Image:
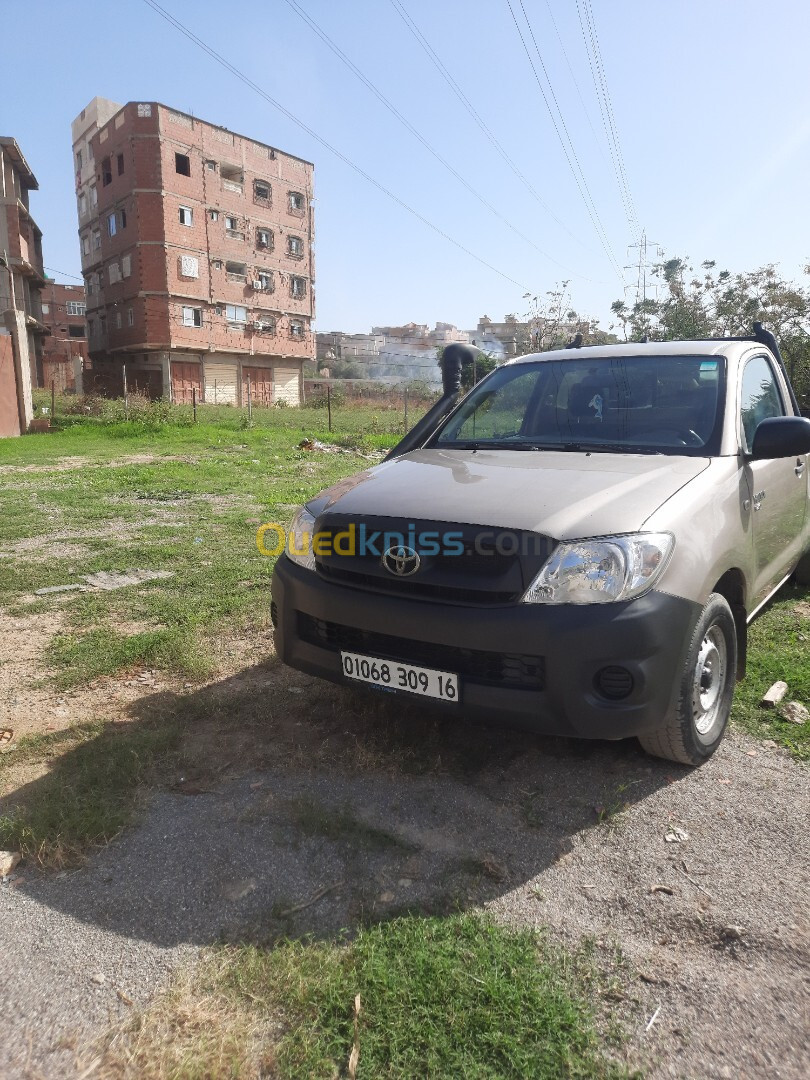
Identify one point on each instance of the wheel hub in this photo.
(709, 679)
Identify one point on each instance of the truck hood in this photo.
(562, 494)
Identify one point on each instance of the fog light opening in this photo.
(614, 683)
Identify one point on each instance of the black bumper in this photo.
(648, 638)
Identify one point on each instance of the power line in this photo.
(328, 146)
(465, 101)
(579, 176)
(321, 33)
(62, 273)
(596, 65)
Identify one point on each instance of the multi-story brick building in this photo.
(64, 350)
(21, 278)
(197, 255)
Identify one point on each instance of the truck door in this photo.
(778, 486)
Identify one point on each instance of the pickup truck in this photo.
(576, 546)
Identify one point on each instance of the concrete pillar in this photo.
(166, 366)
(15, 324)
(78, 375)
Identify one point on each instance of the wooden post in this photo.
(329, 404)
(126, 391)
(194, 401)
(250, 402)
(53, 399)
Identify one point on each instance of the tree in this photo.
(711, 303)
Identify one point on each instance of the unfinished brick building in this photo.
(197, 256)
(64, 350)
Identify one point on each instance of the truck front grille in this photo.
(515, 670)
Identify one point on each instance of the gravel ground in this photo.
(715, 925)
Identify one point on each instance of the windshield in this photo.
(650, 404)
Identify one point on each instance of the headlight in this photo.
(299, 539)
(601, 571)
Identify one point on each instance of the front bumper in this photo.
(648, 637)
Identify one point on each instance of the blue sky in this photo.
(710, 101)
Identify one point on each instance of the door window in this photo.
(760, 398)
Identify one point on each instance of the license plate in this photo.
(391, 675)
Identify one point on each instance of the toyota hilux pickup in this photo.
(576, 546)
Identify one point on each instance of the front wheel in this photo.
(695, 731)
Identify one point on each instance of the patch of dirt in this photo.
(68, 464)
(115, 530)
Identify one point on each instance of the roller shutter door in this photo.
(286, 385)
(221, 383)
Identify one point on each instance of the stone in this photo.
(8, 860)
(795, 712)
(773, 695)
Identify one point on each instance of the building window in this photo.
(130, 317)
(298, 287)
(296, 202)
(120, 163)
(211, 166)
(235, 271)
(231, 223)
(85, 245)
(264, 239)
(235, 314)
(186, 215)
(192, 316)
(126, 266)
(189, 266)
(296, 328)
(75, 307)
(118, 320)
(94, 195)
(78, 159)
(46, 309)
(96, 241)
(114, 272)
(92, 284)
(261, 192)
(214, 215)
(144, 109)
(112, 227)
(295, 246)
(266, 323)
(217, 264)
(232, 178)
(123, 216)
(102, 325)
(265, 280)
(106, 172)
(182, 164)
(91, 327)
(82, 205)
(76, 331)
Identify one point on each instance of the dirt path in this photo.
(542, 832)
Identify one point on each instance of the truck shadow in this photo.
(295, 808)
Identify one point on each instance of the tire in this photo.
(697, 727)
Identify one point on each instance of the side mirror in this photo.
(781, 437)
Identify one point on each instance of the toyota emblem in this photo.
(401, 561)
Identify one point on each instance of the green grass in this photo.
(439, 998)
(778, 648)
(89, 791)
